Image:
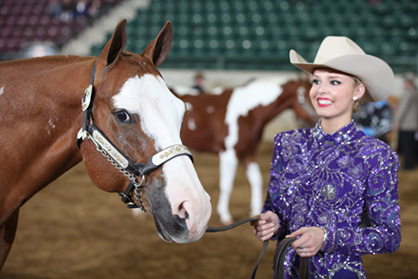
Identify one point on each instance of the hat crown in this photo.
(334, 47)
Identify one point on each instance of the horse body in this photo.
(37, 134)
(231, 124)
(41, 115)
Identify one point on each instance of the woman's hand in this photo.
(309, 241)
(267, 226)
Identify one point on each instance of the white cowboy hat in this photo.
(344, 55)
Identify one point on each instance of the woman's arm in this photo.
(382, 206)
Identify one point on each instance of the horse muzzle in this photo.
(179, 221)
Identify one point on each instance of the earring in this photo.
(354, 98)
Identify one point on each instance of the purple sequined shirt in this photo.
(328, 181)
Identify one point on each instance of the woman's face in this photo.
(332, 94)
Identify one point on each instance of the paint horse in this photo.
(129, 138)
(231, 124)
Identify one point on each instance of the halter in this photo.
(116, 157)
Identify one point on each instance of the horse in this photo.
(231, 124)
(126, 130)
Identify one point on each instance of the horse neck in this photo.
(42, 98)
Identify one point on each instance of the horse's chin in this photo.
(162, 232)
(181, 235)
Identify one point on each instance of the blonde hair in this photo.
(358, 102)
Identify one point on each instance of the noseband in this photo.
(116, 157)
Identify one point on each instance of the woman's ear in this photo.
(359, 92)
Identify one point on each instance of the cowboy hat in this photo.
(342, 54)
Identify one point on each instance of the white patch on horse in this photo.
(191, 124)
(255, 177)
(210, 109)
(243, 100)
(1, 91)
(228, 163)
(189, 106)
(51, 125)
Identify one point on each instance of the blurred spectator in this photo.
(406, 122)
(199, 81)
(375, 119)
(94, 10)
(54, 8)
(81, 8)
(68, 9)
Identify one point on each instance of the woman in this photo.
(324, 179)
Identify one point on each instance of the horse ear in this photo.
(115, 45)
(157, 51)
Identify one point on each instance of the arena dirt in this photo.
(72, 230)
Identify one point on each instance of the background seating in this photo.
(25, 22)
(257, 34)
(231, 34)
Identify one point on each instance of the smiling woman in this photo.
(323, 180)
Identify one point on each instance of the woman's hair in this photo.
(358, 102)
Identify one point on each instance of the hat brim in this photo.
(376, 75)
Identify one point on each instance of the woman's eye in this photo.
(315, 81)
(123, 116)
(335, 82)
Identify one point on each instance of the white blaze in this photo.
(160, 111)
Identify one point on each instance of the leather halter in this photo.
(116, 157)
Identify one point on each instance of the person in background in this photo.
(68, 9)
(375, 119)
(406, 122)
(323, 180)
(54, 8)
(199, 81)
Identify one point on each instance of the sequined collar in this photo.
(341, 136)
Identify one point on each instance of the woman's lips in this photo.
(324, 102)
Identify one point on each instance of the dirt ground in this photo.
(71, 230)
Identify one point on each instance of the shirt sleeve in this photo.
(382, 235)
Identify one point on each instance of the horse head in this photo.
(302, 105)
(134, 121)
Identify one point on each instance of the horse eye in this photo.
(123, 116)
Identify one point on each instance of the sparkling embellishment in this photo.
(329, 192)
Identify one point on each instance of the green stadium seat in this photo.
(240, 32)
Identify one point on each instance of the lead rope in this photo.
(279, 257)
(239, 223)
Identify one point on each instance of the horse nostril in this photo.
(183, 211)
